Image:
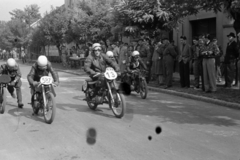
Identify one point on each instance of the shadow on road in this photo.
(25, 112)
(84, 108)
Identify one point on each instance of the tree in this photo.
(55, 25)
(29, 15)
(150, 15)
(19, 25)
(93, 20)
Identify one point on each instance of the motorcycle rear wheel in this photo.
(49, 117)
(143, 88)
(4, 100)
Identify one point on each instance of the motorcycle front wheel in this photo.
(119, 105)
(50, 111)
(3, 103)
(143, 88)
(35, 105)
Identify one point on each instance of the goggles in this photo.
(97, 49)
(137, 56)
(42, 67)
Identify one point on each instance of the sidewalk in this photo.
(223, 97)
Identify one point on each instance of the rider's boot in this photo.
(19, 97)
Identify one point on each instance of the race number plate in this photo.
(46, 80)
(110, 73)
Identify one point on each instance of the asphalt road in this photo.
(190, 130)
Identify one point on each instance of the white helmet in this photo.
(42, 61)
(109, 54)
(96, 45)
(11, 62)
(135, 53)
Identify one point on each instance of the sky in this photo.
(7, 6)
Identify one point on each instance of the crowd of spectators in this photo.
(204, 58)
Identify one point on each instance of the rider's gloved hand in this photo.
(35, 83)
(12, 83)
(97, 74)
(55, 84)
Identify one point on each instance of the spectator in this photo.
(130, 50)
(217, 61)
(115, 51)
(238, 51)
(150, 45)
(123, 57)
(134, 44)
(209, 52)
(175, 67)
(169, 54)
(104, 47)
(85, 49)
(23, 56)
(109, 45)
(184, 58)
(157, 63)
(144, 51)
(197, 67)
(230, 60)
(64, 56)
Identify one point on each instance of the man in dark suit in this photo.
(169, 54)
(230, 60)
(184, 58)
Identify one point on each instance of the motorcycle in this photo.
(43, 99)
(4, 80)
(140, 85)
(107, 93)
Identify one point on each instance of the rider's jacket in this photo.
(36, 74)
(133, 65)
(93, 64)
(14, 73)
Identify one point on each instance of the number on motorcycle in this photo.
(46, 80)
(110, 74)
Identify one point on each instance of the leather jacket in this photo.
(36, 74)
(93, 65)
(15, 73)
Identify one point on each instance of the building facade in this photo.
(217, 25)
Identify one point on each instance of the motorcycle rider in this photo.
(41, 68)
(110, 55)
(12, 69)
(96, 63)
(135, 63)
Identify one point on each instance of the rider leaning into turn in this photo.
(41, 68)
(135, 63)
(11, 68)
(96, 63)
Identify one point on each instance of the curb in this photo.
(199, 98)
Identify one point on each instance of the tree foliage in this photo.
(16, 32)
(54, 26)
(150, 15)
